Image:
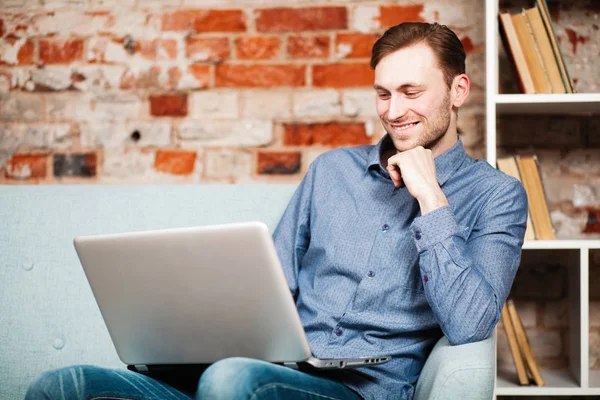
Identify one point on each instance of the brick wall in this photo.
(198, 91)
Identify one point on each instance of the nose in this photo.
(397, 108)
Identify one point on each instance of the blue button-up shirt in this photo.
(373, 277)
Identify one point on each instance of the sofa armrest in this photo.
(465, 372)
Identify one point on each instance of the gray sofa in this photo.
(48, 315)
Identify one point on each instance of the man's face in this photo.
(413, 100)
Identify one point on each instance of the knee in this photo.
(232, 378)
(62, 383)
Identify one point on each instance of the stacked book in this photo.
(532, 46)
(527, 170)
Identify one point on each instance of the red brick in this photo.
(278, 162)
(342, 75)
(259, 75)
(169, 105)
(1, 27)
(22, 166)
(332, 134)
(207, 49)
(308, 46)
(257, 47)
(204, 21)
(60, 51)
(301, 19)
(176, 162)
(201, 74)
(24, 55)
(158, 49)
(394, 15)
(354, 45)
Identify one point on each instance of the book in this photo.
(524, 345)
(508, 165)
(514, 347)
(538, 205)
(534, 63)
(542, 41)
(515, 52)
(545, 14)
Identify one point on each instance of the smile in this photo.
(404, 126)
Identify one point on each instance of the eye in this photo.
(412, 94)
(383, 96)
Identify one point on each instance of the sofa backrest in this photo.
(48, 316)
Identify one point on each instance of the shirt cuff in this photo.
(434, 227)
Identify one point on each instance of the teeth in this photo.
(404, 127)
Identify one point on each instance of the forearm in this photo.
(465, 279)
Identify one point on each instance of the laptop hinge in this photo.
(139, 368)
(291, 365)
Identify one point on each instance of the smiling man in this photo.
(385, 248)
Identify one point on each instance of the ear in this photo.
(460, 90)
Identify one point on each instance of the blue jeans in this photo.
(232, 378)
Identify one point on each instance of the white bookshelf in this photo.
(577, 379)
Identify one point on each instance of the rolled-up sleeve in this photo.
(466, 271)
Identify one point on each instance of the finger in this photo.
(394, 174)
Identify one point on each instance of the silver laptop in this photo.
(198, 295)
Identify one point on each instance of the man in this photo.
(385, 248)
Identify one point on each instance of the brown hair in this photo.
(446, 46)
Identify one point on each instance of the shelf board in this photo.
(558, 383)
(561, 244)
(573, 103)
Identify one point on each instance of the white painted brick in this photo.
(314, 103)
(69, 22)
(11, 137)
(47, 136)
(273, 103)
(245, 132)
(556, 314)
(111, 134)
(228, 164)
(359, 103)
(70, 106)
(214, 104)
(569, 226)
(51, 77)
(59, 4)
(116, 106)
(18, 5)
(131, 165)
(20, 107)
(366, 19)
(9, 51)
(582, 161)
(585, 195)
(99, 77)
(112, 4)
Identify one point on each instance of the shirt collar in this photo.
(445, 164)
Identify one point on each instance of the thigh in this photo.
(90, 382)
(242, 378)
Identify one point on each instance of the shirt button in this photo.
(371, 274)
(385, 227)
(418, 235)
(339, 331)
(425, 278)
